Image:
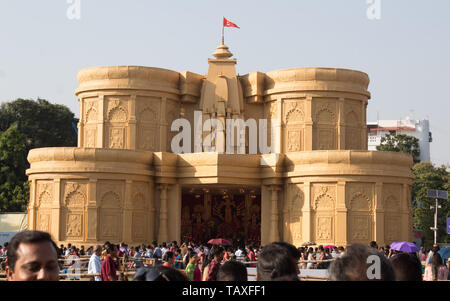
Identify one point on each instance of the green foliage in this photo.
(13, 191)
(427, 177)
(26, 124)
(402, 144)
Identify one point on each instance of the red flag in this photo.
(227, 23)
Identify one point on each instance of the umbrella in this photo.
(331, 247)
(445, 254)
(219, 241)
(404, 246)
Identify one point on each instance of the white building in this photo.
(416, 128)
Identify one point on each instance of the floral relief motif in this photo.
(117, 112)
(116, 140)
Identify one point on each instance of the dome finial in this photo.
(222, 52)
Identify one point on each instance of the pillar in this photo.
(379, 236)
(274, 230)
(127, 225)
(308, 137)
(341, 125)
(163, 125)
(163, 225)
(101, 143)
(92, 212)
(286, 197)
(55, 227)
(31, 216)
(132, 124)
(306, 212)
(341, 233)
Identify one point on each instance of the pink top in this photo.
(442, 273)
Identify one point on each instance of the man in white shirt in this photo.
(95, 265)
(238, 253)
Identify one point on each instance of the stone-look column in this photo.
(127, 226)
(308, 137)
(101, 127)
(163, 235)
(286, 197)
(80, 124)
(132, 124)
(92, 212)
(341, 236)
(306, 212)
(274, 230)
(163, 125)
(151, 212)
(364, 133)
(405, 230)
(379, 235)
(31, 216)
(341, 124)
(278, 126)
(55, 227)
(207, 204)
(174, 215)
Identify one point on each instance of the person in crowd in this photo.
(157, 253)
(90, 251)
(109, 265)
(178, 259)
(159, 273)
(31, 256)
(407, 267)
(95, 264)
(106, 246)
(232, 271)
(294, 254)
(82, 251)
(373, 244)
(433, 251)
(193, 272)
(275, 261)
(239, 252)
(436, 270)
(354, 265)
(138, 256)
(251, 256)
(164, 249)
(148, 252)
(214, 266)
(68, 250)
(168, 259)
(310, 258)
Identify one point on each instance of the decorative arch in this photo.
(325, 115)
(295, 116)
(118, 114)
(148, 115)
(352, 119)
(111, 200)
(360, 201)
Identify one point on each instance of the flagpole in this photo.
(223, 35)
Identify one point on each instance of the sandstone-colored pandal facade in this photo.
(123, 183)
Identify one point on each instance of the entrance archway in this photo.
(229, 212)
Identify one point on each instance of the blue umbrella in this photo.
(445, 254)
(404, 246)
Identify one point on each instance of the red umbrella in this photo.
(331, 247)
(220, 241)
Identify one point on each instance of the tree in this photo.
(427, 177)
(26, 124)
(14, 192)
(401, 143)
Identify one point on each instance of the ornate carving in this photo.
(296, 204)
(324, 197)
(117, 111)
(325, 115)
(360, 201)
(139, 195)
(91, 111)
(294, 140)
(116, 139)
(74, 225)
(392, 196)
(110, 226)
(392, 228)
(148, 115)
(111, 200)
(294, 114)
(44, 222)
(273, 109)
(74, 195)
(90, 137)
(45, 194)
(324, 227)
(360, 228)
(351, 119)
(147, 138)
(326, 139)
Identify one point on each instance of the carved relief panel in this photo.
(44, 194)
(173, 113)
(116, 138)
(139, 226)
(111, 196)
(74, 203)
(360, 203)
(117, 116)
(324, 115)
(43, 220)
(90, 136)
(148, 118)
(295, 213)
(90, 110)
(323, 204)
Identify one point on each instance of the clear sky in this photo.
(406, 52)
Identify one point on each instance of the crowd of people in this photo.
(32, 255)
